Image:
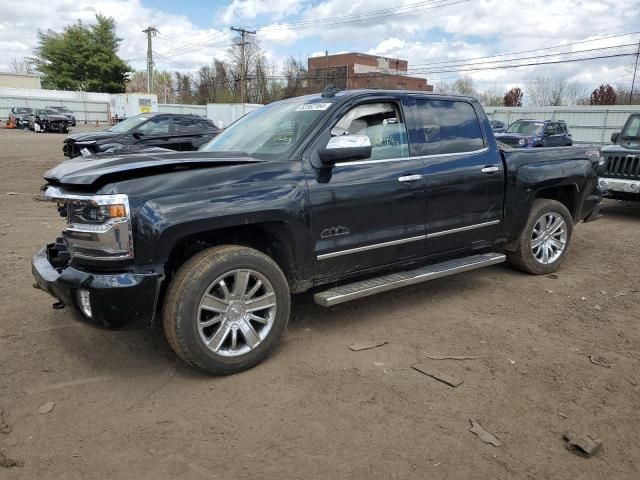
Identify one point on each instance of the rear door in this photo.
(463, 174)
(191, 130)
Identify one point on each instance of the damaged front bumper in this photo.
(112, 300)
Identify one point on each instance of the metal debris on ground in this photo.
(599, 360)
(485, 436)
(356, 347)
(584, 444)
(46, 408)
(441, 377)
(451, 357)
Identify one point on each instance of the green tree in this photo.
(82, 57)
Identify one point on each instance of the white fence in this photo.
(178, 108)
(89, 107)
(588, 124)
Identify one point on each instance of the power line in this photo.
(529, 51)
(576, 52)
(364, 16)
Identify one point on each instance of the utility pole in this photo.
(151, 32)
(635, 70)
(243, 69)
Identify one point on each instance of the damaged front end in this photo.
(89, 267)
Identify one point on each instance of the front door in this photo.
(464, 176)
(368, 213)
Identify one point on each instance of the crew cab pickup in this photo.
(620, 177)
(346, 194)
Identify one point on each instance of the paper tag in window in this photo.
(313, 106)
(85, 152)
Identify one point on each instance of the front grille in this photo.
(627, 166)
(509, 140)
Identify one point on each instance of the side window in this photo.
(450, 126)
(187, 126)
(550, 129)
(156, 126)
(382, 123)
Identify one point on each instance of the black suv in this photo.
(536, 133)
(621, 174)
(145, 131)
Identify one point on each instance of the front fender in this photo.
(163, 222)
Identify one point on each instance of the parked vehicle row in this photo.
(347, 193)
(54, 118)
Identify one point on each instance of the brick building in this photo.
(360, 70)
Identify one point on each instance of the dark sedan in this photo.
(47, 120)
(497, 126)
(148, 130)
(20, 116)
(62, 110)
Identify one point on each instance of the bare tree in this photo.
(493, 96)
(548, 91)
(443, 87)
(23, 67)
(465, 86)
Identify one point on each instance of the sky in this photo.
(426, 33)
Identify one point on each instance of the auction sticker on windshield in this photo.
(313, 106)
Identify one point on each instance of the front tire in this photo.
(544, 241)
(225, 309)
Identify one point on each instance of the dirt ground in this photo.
(125, 407)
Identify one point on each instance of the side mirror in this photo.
(138, 135)
(614, 137)
(345, 147)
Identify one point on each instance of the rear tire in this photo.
(213, 316)
(545, 239)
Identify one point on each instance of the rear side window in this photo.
(449, 126)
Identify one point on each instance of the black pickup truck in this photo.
(345, 193)
(620, 177)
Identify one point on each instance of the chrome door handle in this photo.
(489, 169)
(410, 178)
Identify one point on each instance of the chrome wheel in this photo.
(549, 238)
(236, 312)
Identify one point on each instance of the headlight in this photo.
(99, 226)
(522, 141)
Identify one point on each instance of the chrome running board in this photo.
(372, 286)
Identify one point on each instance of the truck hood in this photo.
(52, 116)
(92, 171)
(624, 146)
(91, 136)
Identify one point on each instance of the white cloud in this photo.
(422, 36)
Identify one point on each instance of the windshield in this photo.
(22, 111)
(632, 128)
(128, 124)
(273, 131)
(526, 128)
(45, 111)
(61, 109)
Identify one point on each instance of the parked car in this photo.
(620, 177)
(166, 130)
(328, 192)
(536, 133)
(20, 116)
(62, 110)
(46, 120)
(497, 126)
